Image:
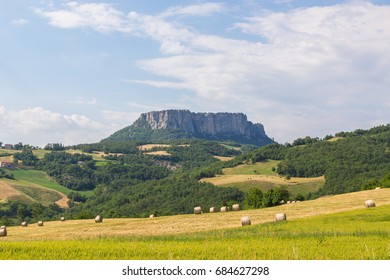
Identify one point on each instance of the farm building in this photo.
(6, 164)
(8, 146)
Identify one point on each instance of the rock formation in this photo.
(214, 126)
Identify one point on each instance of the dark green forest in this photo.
(130, 183)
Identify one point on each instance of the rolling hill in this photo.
(336, 227)
(260, 175)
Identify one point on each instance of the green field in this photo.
(352, 235)
(31, 186)
(261, 176)
(38, 177)
(253, 169)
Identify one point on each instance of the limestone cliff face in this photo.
(219, 126)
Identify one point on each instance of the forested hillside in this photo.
(118, 179)
(350, 161)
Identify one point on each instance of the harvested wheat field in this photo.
(224, 158)
(172, 225)
(275, 179)
(158, 153)
(7, 191)
(148, 147)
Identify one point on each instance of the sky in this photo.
(74, 72)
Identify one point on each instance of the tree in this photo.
(254, 198)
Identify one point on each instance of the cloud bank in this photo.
(38, 123)
(305, 71)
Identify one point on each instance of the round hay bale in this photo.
(245, 221)
(224, 209)
(62, 219)
(98, 219)
(151, 216)
(236, 207)
(3, 231)
(281, 202)
(369, 203)
(378, 188)
(288, 202)
(40, 224)
(24, 224)
(279, 217)
(198, 210)
(213, 210)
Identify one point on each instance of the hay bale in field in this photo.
(236, 207)
(281, 202)
(98, 219)
(378, 188)
(279, 217)
(151, 216)
(3, 231)
(224, 209)
(369, 203)
(24, 224)
(245, 221)
(288, 202)
(213, 210)
(40, 224)
(198, 210)
(62, 219)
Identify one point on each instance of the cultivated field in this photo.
(261, 176)
(28, 192)
(224, 158)
(337, 227)
(158, 153)
(34, 186)
(148, 147)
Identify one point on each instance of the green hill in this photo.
(335, 228)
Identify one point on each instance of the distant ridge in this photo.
(167, 125)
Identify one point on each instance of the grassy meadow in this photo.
(260, 175)
(32, 186)
(337, 227)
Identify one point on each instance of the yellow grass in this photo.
(148, 147)
(7, 191)
(224, 158)
(98, 156)
(334, 139)
(275, 179)
(159, 153)
(79, 229)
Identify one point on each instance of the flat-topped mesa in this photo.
(217, 126)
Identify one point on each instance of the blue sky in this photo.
(77, 71)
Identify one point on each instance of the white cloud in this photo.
(304, 66)
(41, 126)
(82, 101)
(99, 16)
(205, 9)
(318, 63)
(20, 21)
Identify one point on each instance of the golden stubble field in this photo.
(181, 224)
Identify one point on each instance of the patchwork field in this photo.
(30, 193)
(337, 227)
(34, 186)
(261, 176)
